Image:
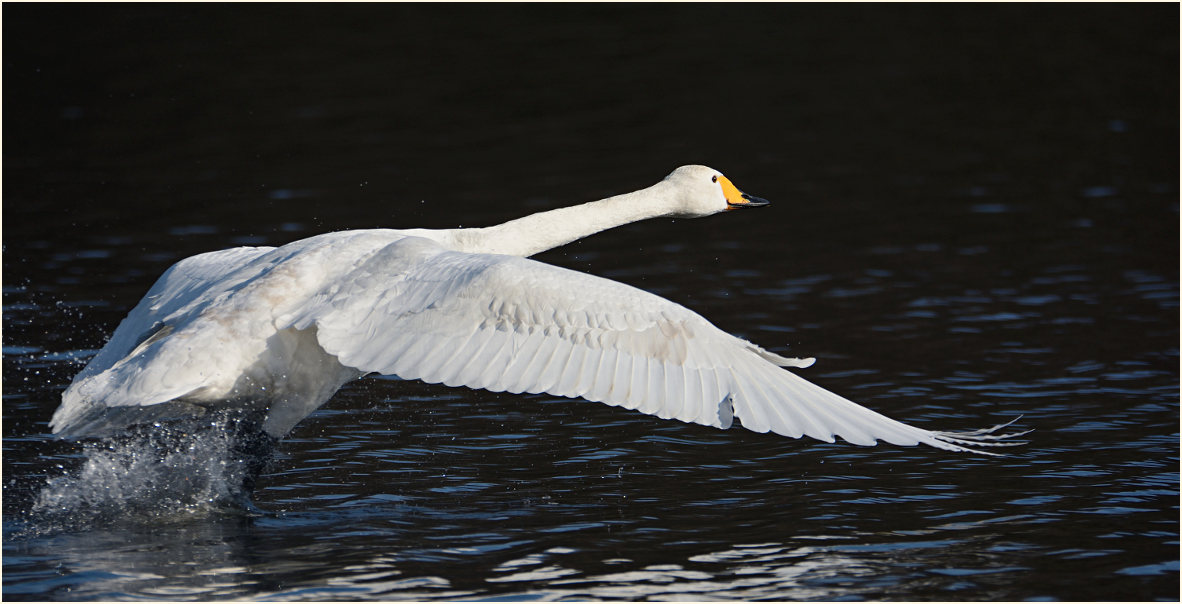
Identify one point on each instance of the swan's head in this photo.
(703, 191)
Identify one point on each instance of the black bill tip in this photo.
(749, 201)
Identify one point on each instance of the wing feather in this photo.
(601, 386)
(696, 385)
(654, 383)
(494, 360)
(572, 372)
(518, 374)
(439, 363)
(674, 393)
(636, 381)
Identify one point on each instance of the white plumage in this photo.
(281, 329)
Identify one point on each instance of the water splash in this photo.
(159, 472)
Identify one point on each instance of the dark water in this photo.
(975, 217)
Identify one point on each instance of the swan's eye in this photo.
(714, 178)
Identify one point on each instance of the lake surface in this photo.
(975, 219)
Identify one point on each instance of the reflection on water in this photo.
(960, 237)
(418, 491)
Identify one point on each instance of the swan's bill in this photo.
(737, 199)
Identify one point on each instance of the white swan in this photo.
(281, 329)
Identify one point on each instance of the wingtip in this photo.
(985, 437)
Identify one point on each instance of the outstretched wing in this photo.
(180, 285)
(505, 323)
(183, 284)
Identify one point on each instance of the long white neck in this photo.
(547, 230)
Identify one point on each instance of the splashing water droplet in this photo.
(159, 472)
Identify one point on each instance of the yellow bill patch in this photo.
(733, 195)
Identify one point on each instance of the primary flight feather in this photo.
(280, 330)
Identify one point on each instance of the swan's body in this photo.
(281, 329)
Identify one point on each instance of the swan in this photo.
(280, 329)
